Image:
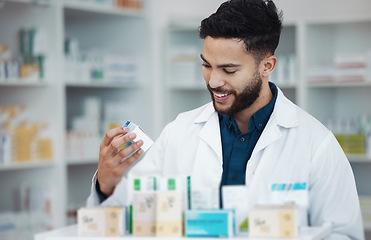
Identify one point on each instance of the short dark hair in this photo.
(256, 22)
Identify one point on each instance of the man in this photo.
(250, 134)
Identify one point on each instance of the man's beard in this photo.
(243, 100)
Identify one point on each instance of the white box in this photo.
(144, 214)
(274, 221)
(101, 221)
(236, 197)
(169, 213)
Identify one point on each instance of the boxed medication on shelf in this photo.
(236, 197)
(209, 223)
(184, 65)
(181, 184)
(350, 60)
(204, 198)
(157, 206)
(365, 203)
(22, 141)
(169, 213)
(274, 221)
(144, 214)
(285, 71)
(120, 69)
(101, 221)
(320, 74)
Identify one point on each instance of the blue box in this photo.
(209, 223)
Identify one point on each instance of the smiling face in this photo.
(231, 74)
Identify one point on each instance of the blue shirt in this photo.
(237, 147)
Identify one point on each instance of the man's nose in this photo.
(216, 80)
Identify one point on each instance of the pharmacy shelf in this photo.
(339, 85)
(82, 162)
(287, 85)
(187, 86)
(35, 2)
(101, 8)
(107, 30)
(17, 83)
(70, 233)
(103, 85)
(367, 226)
(359, 158)
(31, 165)
(183, 25)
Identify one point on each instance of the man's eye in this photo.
(205, 65)
(229, 72)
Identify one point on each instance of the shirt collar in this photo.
(258, 120)
(261, 117)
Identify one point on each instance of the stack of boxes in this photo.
(157, 207)
(21, 141)
(349, 67)
(353, 134)
(162, 206)
(91, 67)
(127, 4)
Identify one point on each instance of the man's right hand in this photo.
(111, 168)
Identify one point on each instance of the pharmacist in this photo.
(250, 134)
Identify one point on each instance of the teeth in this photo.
(220, 95)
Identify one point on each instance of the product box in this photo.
(147, 141)
(236, 197)
(204, 198)
(169, 213)
(274, 221)
(144, 214)
(209, 223)
(142, 184)
(180, 183)
(97, 222)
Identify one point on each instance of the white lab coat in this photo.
(293, 148)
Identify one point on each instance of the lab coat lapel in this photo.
(270, 134)
(208, 163)
(284, 115)
(210, 134)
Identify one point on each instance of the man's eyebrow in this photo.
(227, 65)
(203, 59)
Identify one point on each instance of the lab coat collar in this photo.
(207, 112)
(284, 115)
(284, 112)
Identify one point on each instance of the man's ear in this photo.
(267, 65)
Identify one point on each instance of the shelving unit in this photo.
(185, 88)
(25, 166)
(98, 8)
(361, 158)
(17, 83)
(43, 101)
(101, 85)
(108, 30)
(340, 100)
(314, 43)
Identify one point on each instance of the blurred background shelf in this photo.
(101, 8)
(161, 40)
(25, 166)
